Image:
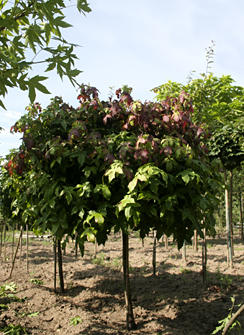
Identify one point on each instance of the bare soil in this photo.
(174, 302)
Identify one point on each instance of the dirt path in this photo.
(174, 302)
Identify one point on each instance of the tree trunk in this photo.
(27, 248)
(204, 258)
(1, 240)
(16, 251)
(154, 253)
(184, 252)
(166, 242)
(228, 226)
(241, 215)
(130, 322)
(55, 264)
(231, 206)
(195, 241)
(5, 242)
(13, 241)
(60, 266)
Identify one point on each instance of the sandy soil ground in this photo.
(174, 302)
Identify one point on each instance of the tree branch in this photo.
(240, 310)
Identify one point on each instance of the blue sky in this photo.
(142, 44)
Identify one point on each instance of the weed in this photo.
(116, 263)
(6, 288)
(36, 281)
(3, 307)
(99, 260)
(14, 330)
(224, 281)
(184, 270)
(75, 321)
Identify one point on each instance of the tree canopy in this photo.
(119, 164)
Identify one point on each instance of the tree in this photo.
(219, 107)
(118, 164)
(29, 29)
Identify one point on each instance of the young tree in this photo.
(117, 164)
(219, 107)
(30, 34)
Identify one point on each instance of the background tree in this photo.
(219, 107)
(31, 34)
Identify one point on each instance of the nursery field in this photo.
(173, 302)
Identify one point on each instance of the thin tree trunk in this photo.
(195, 241)
(95, 248)
(130, 322)
(27, 248)
(184, 252)
(154, 253)
(166, 242)
(55, 264)
(76, 247)
(228, 226)
(1, 240)
(13, 233)
(16, 251)
(20, 249)
(204, 258)
(241, 216)
(231, 206)
(60, 266)
(5, 242)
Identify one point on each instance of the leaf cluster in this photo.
(28, 28)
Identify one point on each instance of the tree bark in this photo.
(204, 258)
(60, 266)
(166, 243)
(154, 253)
(184, 252)
(195, 241)
(27, 248)
(16, 251)
(130, 322)
(228, 226)
(231, 206)
(241, 215)
(55, 264)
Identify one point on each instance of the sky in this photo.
(141, 44)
